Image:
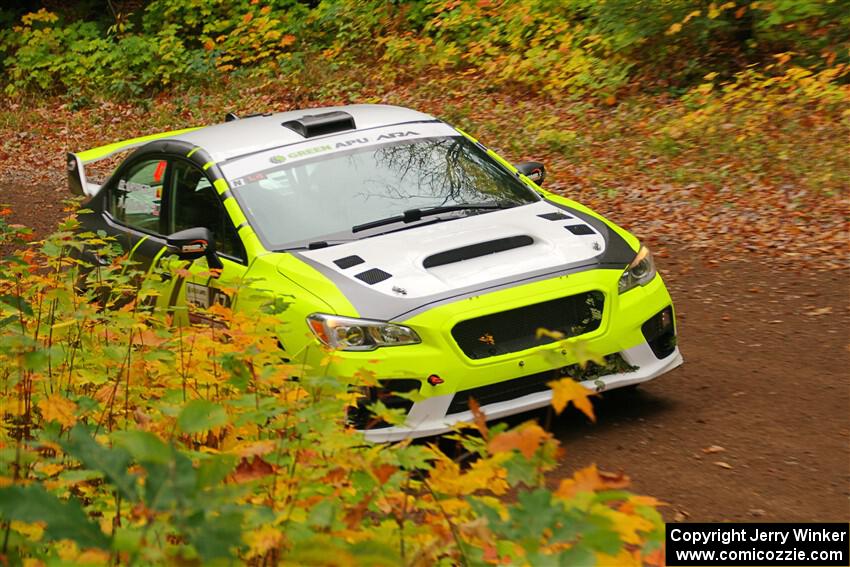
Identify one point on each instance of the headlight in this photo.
(345, 333)
(640, 271)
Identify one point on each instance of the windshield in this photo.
(323, 198)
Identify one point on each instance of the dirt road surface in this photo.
(753, 427)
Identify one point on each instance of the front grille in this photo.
(502, 391)
(519, 387)
(516, 329)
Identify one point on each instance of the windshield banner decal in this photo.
(244, 170)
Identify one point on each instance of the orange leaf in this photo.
(383, 472)
(568, 390)
(589, 479)
(58, 408)
(247, 471)
(478, 418)
(655, 557)
(526, 439)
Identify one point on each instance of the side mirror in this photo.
(534, 170)
(194, 243)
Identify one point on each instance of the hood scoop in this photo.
(477, 250)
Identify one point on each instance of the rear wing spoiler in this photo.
(76, 163)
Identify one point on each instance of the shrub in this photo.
(127, 440)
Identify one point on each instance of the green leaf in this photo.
(142, 445)
(18, 303)
(213, 470)
(218, 536)
(200, 415)
(112, 463)
(64, 519)
(322, 514)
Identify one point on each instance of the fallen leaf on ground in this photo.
(723, 464)
(713, 449)
(819, 311)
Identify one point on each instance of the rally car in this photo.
(399, 239)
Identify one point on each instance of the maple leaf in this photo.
(478, 418)
(247, 471)
(590, 479)
(567, 390)
(526, 439)
(628, 525)
(58, 408)
(384, 472)
(262, 540)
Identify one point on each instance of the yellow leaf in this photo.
(689, 17)
(263, 540)
(674, 29)
(567, 390)
(541, 332)
(484, 474)
(253, 448)
(33, 531)
(58, 408)
(627, 525)
(50, 469)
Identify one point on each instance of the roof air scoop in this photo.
(477, 250)
(312, 125)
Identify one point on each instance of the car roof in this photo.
(257, 133)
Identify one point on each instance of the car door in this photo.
(191, 201)
(133, 214)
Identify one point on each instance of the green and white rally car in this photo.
(396, 238)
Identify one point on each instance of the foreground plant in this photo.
(128, 440)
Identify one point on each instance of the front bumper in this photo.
(438, 354)
(429, 416)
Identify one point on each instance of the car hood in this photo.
(393, 275)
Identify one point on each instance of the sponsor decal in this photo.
(240, 170)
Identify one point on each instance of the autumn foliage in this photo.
(128, 439)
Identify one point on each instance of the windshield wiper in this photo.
(413, 215)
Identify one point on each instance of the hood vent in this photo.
(348, 262)
(554, 216)
(373, 276)
(580, 229)
(477, 250)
